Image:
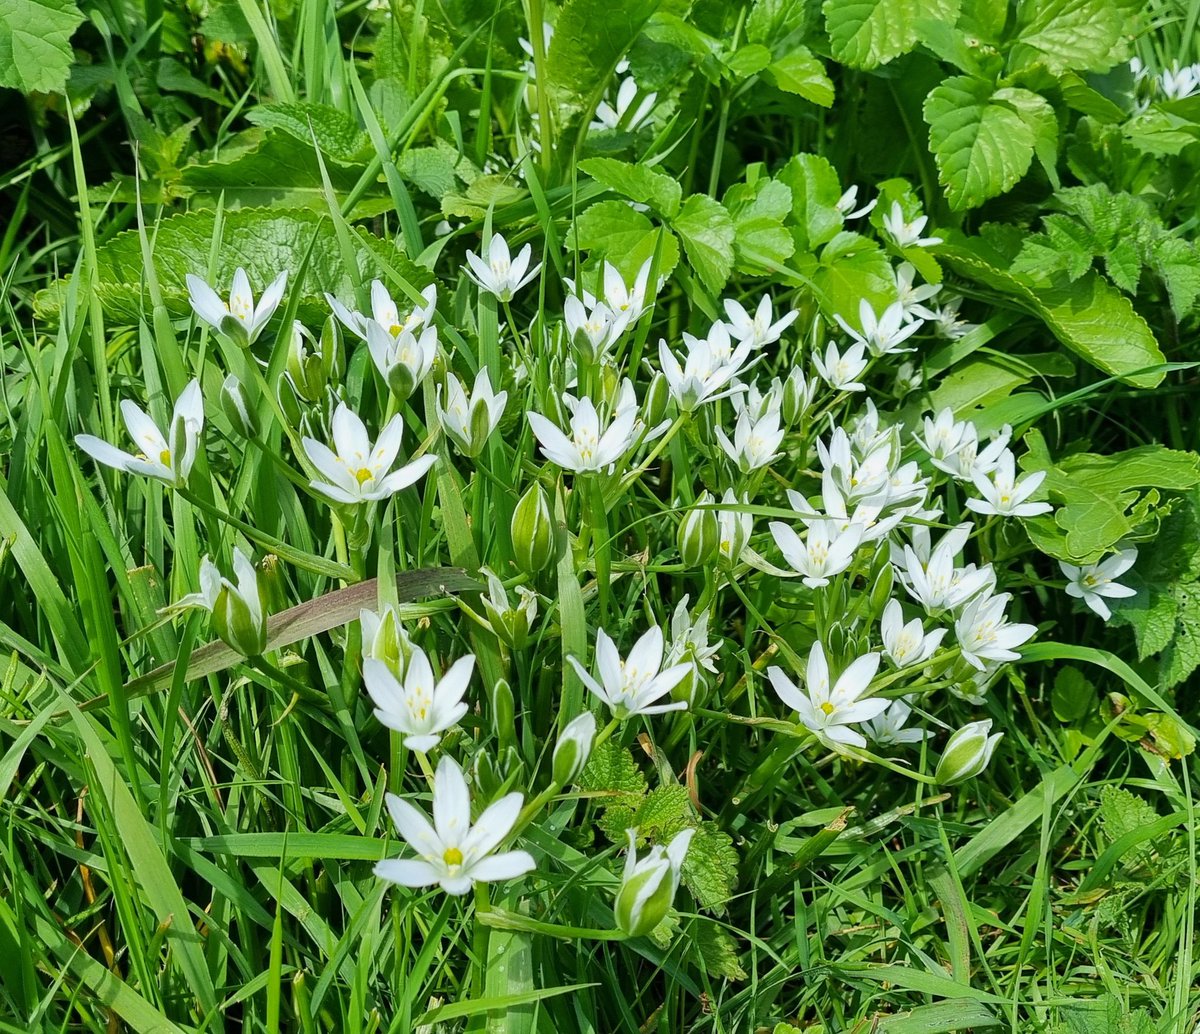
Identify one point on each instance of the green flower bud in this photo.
(648, 886)
(502, 709)
(532, 531)
(237, 614)
(797, 396)
(384, 639)
(699, 533)
(967, 752)
(236, 407)
(289, 402)
(511, 624)
(658, 395)
(881, 588)
(305, 364)
(573, 749)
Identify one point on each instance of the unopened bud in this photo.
(305, 365)
(967, 752)
(573, 749)
(658, 395)
(648, 886)
(532, 531)
(699, 533)
(236, 407)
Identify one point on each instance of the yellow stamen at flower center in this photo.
(827, 707)
(363, 475)
(164, 457)
(452, 856)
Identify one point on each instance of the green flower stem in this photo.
(502, 919)
(601, 543)
(659, 446)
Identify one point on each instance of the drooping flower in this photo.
(907, 234)
(1004, 494)
(1092, 583)
(453, 852)
(846, 203)
(469, 420)
(634, 685)
(359, 471)
(829, 711)
(239, 319)
(502, 275)
(419, 706)
(237, 612)
(168, 458)
(649, 884)
(888, 728)
(624, 115)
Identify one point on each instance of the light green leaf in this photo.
(801, 73)
(35, 44)
(982, 146)
(815, 194)
(852, 268)
(771, 21)
(710, 868)
(869, 33)
(336, 133)
(718, 950)
(1066, 35)
(614, 232)
(707, 232)
(761, 241)
(637, 182)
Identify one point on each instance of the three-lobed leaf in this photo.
(35, 44)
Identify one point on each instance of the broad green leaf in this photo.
(707, 233)
(982, 146)
(710, 867)
(718, 951)
(802, 73)
(815, 194)
(611, 769)
(264, 242)
(1066, 35)
(336, 133)
(869, 33)
(590, 36)
(771, 21)
(761, 241)
(637, 182)
(1089, 316)
(35, 44)
(748, 60)
(851, 268)
(612, 231)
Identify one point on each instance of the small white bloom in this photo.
(168, 460)
(944, 436)
(1177, 83)
(502, 275)
(626, 303)
(754, 402)
(881, 335)
(689, 638)
(754, 444)
(359, 471)
(237, 612)
(968, 461)
(1092, 583)
(820, 555)
(985, 634)
(887, 729)
(510, 623)
(907, 645)
(591, 446)
(594, 332)
(933, 579)
(761, 328)
(839, 371)
(948, 324)
(711, 363)
(385, 313)
(830, 711)
(470, 420)
(649, 884)
(452, 852)
(846, 203)
(1004, 494)
(421, 707)
(633, 686)
(239, 319)
(907, 234)
(624, 115)
(909, 297)
(404, 360)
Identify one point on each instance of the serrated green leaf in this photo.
(718, 951)
(611, 768)
(761, 241)
(35, 44)
(1066, 35)
(802, 73)
(815, 194)
(710, 868)
(851, 268)
(869, 33)
(1089, 316)
(435, 170)
(773, 20)
(982, 147)
(1177, 263)
(637, 182)
(1123, 812)
(706, 230)
(263, 241)
(662, 812)
(336, 133)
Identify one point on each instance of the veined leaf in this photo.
(1064, 35)
(35, 44)
(869, 33)
(981, 145)
(637, 182)
(707, 232)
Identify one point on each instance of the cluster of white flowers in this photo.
(1173, 83)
